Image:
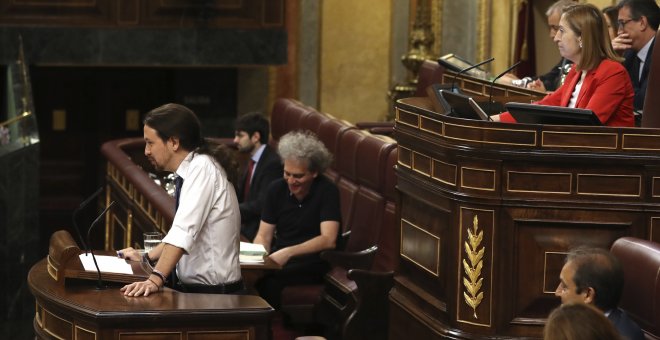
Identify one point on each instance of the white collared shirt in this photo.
(576, 92)
(207, 223)
(642, 54)
(256, 157)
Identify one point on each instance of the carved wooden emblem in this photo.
(472, 265)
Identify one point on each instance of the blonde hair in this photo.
(588, 23)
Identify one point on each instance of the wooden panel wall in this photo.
(144, 13)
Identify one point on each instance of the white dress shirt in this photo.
(206, 224)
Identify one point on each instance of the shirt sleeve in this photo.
(195, 204)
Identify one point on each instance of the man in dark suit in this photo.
(594, 276)
(264, 166)
(638, 23)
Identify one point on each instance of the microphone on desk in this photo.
(88, 249)
(78, 210)
(453, 83)
(492, 84)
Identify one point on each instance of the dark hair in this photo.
(579, 321)
(175, 120)
(640, 8)
(612, 13)
(599, 269)
(253, 122)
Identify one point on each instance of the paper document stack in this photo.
(250, 252)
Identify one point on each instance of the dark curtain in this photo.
(525, 48)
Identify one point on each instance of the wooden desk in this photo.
(504, 203)
(79, 311)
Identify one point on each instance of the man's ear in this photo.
(589, 295)
(256, 137)
(644, 22)
(174, 142)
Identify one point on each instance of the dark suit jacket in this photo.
(626, 327)
(639, 86)
(551, 79)
(268, 169)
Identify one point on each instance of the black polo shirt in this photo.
(296, 222)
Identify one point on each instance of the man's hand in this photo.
(622, 42)
(143, 288)
(281, 256)
(129, 254)
(536, 85)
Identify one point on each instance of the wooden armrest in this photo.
(370, 318)
(350, 260)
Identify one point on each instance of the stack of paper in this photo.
(250, 252)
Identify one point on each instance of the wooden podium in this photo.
(488, 212)
(68, 305)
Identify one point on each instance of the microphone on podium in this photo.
(453, 83)
(76, 212)
(99, 284)
(492, 84)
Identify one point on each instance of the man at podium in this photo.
(201, 247)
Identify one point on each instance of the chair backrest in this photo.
(640, 260)
(330, 134)
(278, 117)
(430, 72)
(651, 116)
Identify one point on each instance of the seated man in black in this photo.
(594, 276)
(300, 217)
(263, 167)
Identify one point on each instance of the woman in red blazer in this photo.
(597, 81)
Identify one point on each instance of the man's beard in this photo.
(246, 149)
(155, 165)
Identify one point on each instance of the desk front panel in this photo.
(488, 212)
(79, 311)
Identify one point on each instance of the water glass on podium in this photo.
(152, 239)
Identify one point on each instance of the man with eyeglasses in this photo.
(638, 23)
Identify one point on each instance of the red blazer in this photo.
(606, 91)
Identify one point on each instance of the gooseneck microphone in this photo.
(492, 84)
(77, 212)
(99, 284)
(458, 75)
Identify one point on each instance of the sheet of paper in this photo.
(107, 264)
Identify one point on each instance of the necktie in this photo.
(248, 180)
(178, 183)
(636, 69)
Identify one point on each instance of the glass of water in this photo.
(152, 239)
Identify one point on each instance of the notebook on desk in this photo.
(554, 115)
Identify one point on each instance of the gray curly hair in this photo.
(306, 147)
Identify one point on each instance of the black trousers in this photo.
(292, 274)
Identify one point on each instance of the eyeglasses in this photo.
(622, 23)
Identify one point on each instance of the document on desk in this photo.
(107, 264)
(251, 253)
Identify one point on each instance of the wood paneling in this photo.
(144, 13)
(495, 207)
